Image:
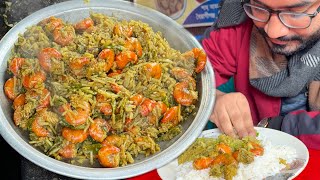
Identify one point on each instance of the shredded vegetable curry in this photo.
(222, 155)
(100, 90)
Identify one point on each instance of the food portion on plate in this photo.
(225, 157)
(101, 90)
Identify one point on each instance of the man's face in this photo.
(284, 40)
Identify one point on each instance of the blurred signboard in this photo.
(189, 13)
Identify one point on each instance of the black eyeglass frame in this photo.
(277, 12)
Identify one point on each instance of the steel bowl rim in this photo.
(156, 161)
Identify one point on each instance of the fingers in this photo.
(246, 118)
(232, 115)
(224, 122)
(237, 121)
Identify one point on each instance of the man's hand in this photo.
(232, 115)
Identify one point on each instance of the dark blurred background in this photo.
(15, 166)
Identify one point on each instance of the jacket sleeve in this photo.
(221, 47)
(302, 124)
(220, 53)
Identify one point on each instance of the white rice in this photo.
(261, 167)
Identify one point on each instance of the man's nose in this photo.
(274, 28)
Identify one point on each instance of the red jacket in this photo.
(228, 52)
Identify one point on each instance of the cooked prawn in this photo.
(257, 149)
(84, 25)
(202, 163)
(163, 107)
(15, 65)
(119, 30)
(98, 129)
(78, 116)
(51, 23)
(105, 108)
(153, 70)
(132, 44)
(107, 55)
(115, 88)
(136, 99)
(112, 74)
(114, 140)
(78, 63)
(183, 94)
(63, 35)
(9, 88)
(147, 106)
(40, 126)
(200, 58)
(68, 151)
(39, 130)
(109, 156)
(74, 135)
(20, 100)
(45, 57)
(223, 148)
(33, 80)
(171, 116)
(180, 73)
(44, 99)
(123, 58)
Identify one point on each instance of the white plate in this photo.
(168, 172)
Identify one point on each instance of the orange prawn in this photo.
(123, 58)
(84, 25)
(163, 107)
(202, 163)
(51, 23)
(45, 56)
(223, 148)
(107, 55)
(15, 65)
(98, 129)
(43, 117)
(114, 140)
(68, 151)
(78, 116)
(109, 156)
(183, 94)
(153, 70)
(136, 99)
(9, 88)
(257, 149)
(147, 106)
(171, 116)
(105, 108)
(78, 63)
(42, 98)
(20, 100)
(119, 30)
(132, 44)
(38, 129)
(200, 58)
(63, 35)
(34, 79)
(74, 135)
(180, 73)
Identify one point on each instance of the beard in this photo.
(303, 43)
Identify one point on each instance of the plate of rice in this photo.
(271, 155)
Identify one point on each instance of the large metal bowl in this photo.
(73, 11)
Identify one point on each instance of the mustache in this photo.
(283, 38)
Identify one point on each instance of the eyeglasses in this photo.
(289, 19)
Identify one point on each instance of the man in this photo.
(274, 58)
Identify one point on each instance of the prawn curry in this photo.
(222, 155)
(100, 90)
